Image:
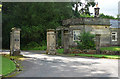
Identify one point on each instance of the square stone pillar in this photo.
(62, 38)
(98, 43)
(51, 41)
(56, 38)
(66, 41)
(15, 42)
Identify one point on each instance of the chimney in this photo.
(96, 10)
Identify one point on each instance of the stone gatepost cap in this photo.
(50, 30)
(14, 28)
(98, 34)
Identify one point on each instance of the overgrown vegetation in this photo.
(86, 41)
(60, 51)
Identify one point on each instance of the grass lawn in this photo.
(7, 65)
(111, 48)
(60, 51)
(97, 56)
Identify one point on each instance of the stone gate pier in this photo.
(66, 41)
(98, 43)
(15, 42)
(51, 41)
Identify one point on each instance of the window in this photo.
(76, 34)
(114, 36)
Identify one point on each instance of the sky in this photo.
(108, 7)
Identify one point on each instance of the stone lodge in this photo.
(108, 29)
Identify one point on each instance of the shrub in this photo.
(60, 51)
(32, 44)
(86, 41)
(42, 47)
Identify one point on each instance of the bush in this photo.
(35, 46)
(32, 44)
(60, 51)
(42, 48)
(86, 41)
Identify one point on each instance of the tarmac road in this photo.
(41, 65)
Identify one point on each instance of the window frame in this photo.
(74, 33)
(114, 35)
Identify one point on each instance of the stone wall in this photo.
(87, 21)
(75, 27)
(94, 29)
(105, 40)
(77, 51)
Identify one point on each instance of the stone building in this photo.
(108, 29)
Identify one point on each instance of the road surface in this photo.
(41, 65)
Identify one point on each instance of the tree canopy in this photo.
(33, 19)
(106, 16)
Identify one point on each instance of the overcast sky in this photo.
(108, 7)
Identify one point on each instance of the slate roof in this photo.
(114, 24)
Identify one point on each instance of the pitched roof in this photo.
(115, 24)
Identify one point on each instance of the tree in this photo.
(85, 8)
(106, 16)
(33, 19)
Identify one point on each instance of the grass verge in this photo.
(110, 48)
(7, 66)
(60, 52)
(97, 56)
